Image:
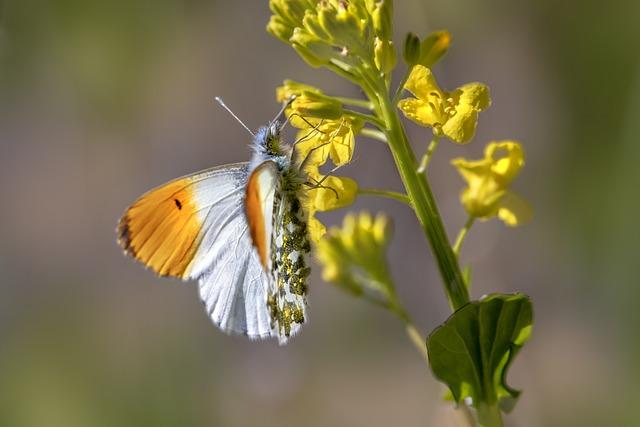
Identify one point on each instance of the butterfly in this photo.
(240, 230)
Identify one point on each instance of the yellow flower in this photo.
(334, 192)
(327, 139)
(318, 141)
(488, 181)
(354, 256)
(452, 114)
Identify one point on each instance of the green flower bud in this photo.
(411, 53)
(354, 257)
(312, 25)
(278, 27)
(291, 11)
(291, 88)
(434, 47)
(382, 19)
(317, 105)
(342, 26)
(384, 55)
(311, 49)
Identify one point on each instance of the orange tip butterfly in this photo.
(240, 230)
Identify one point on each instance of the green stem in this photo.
(415, 337)
(395, 307)
(465, 416)
(418, 340)
(462, 234)
(361, 103)
(368, 118)
(385, 193)
(398, 93)
(489, 415)
(424, 203)
(374, 134)
(424, 163)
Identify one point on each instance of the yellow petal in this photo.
(316, 229)
(339, 192)
(333, 139)
(482, 198)
(462, 126)
(419, 111)
(509, 161)
(311, 151)
(514, 210)
(421, 83)
(342, 144)
(475, 95)
(472, 170)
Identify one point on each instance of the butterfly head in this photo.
(268, 145)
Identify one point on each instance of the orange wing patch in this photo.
(256, 219)
(162, 227)
(259, 207)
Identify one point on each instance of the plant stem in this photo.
(489, 415)
(465, 416)
(396, 96)
(415, 337)
(424, 204)
(361, 103)
(365, 117)
(374, 134)
(462, 234)
(418, 340)
(385, 193)
(424, 163)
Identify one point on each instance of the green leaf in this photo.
(471, 352)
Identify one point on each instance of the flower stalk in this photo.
(425, 207)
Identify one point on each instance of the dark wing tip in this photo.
(124, 235)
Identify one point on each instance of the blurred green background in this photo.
(102, 100)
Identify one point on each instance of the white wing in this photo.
(233, 285)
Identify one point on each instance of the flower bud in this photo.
(292, 88)
(434, 47)
(384, 55)
(312, 50)
(311, 23)
(343, 27)
(381, 16)
(354, 256)
(278, 27)
(411, 53)
(317, 105)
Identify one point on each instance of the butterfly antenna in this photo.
(223, 105)
(285, 105)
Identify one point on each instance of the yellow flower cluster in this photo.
(488, 181)
(337, 33)
(325, 133)
(354, 256)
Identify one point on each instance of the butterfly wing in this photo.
(195, 228)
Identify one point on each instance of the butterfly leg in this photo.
(315, 185)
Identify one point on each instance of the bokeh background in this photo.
(102, 100)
